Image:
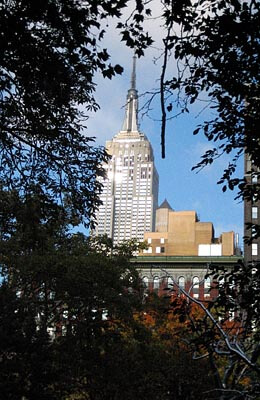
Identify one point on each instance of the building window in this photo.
(131, 160)
(181, 282)
(162, 249)
(254, 178)
(149, 240)
(254, 212)
(169, 282)
(248, 166)
(195, 286)
(158, 249)
(145, 282)
(143, 173)
(156, 283)
(254, 249)
(207, 286)
(221, 282)
(131, 174)
(149, 250)
(253, 231)
(162, 240)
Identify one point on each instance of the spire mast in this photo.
(133, 76)
(131, 120)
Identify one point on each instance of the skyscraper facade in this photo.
(130, 188)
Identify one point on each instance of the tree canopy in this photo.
(216, 47)
(68, 305)
(74, 324)
(50, 54)
(59, 295)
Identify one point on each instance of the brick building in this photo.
(181, 250)
(159, 272)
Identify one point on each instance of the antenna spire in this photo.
(131, 120)
(133, 76)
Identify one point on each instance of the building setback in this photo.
(130, 187)
(180, 233)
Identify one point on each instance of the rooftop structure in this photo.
(180, 233)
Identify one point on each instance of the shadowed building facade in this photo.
(251, 214)
(130, 187)
(159, 272)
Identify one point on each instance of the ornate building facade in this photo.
(130, 187)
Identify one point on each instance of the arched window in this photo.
(207, 286)
(145, 282)
(169, 282)
(181, 282)
(195, 286)
(156, 283)
(221, 282)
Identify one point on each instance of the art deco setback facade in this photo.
(180, 233)
(130, 188)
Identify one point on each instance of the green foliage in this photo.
(225, 330)
(50, 53)
(216, 46)
(26, 360)
(58, 298)
(67, 302)
(148, 369)
(68, 307)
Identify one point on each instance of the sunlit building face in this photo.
(130, 188)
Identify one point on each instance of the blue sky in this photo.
(183, 188)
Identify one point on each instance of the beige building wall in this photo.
(228, 240)
(162, 220)
(204, 232)
(185, 235)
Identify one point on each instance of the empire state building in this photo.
(130, 188)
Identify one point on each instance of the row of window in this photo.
(181, 281)
(129, 160)
(157, 282)
(149, 240)
(158, 249)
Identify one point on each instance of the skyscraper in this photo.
(130, 188)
